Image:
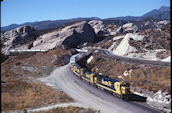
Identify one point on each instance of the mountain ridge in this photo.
(47, 24)
(159, 14)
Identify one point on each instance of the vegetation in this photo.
(50, 58)
(18, 80)
(147, 77)
(20, 94)
(69, 109)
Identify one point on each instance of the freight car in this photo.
(119, 88)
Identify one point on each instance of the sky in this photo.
(21, 11)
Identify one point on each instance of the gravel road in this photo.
(106, 53)
(88, 96)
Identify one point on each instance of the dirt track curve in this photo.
(88, 96)
(109, 54)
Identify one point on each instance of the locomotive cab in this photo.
(125, 88)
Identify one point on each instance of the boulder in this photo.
(81, 33)
(98, 27)
(129, 27)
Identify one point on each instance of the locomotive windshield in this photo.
(125, 84)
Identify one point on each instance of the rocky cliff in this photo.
(18, 37)
(69, 36)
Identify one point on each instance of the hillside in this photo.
(29, 54)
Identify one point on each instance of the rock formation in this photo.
(70, 36)
(18, 37)
(98, 27)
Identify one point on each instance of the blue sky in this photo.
(21, 11)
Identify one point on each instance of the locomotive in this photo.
(115, 87)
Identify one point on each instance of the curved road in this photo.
(107, 53)
(88, 96)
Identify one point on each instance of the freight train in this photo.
(115, 87)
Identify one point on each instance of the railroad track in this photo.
(134, 106)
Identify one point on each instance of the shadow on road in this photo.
(137, 98)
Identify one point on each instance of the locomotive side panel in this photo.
(76, 70)
(88, 76)
(104, 83)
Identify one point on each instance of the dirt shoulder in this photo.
(69, 109)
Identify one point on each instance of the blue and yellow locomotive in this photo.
(113, 86)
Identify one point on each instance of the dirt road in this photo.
(88, 96)
(107, 53)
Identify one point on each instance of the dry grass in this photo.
(20, 94)
(50, 58)
(44, 63)
(107, 67)
(152, 78)
(163, 54)
(69, 109)
(158, 39)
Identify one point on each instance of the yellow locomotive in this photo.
(113, 86)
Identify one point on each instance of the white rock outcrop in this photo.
(98, 27)
(163, 22)
(124, 47)
(129, 27)
(70, 36)
(18, 37)
(159, 99)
